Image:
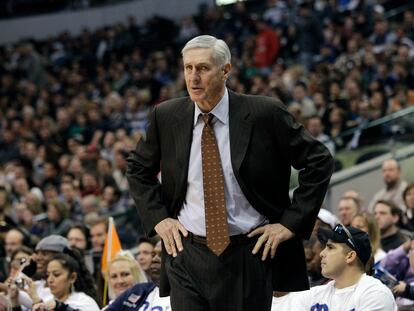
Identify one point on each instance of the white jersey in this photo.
(284, 303)
(81, 301)
(369, 294)
(156, 303)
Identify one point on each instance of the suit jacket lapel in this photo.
(183, 134)
(240, 127)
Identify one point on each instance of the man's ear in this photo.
(226, 71)
(351, 256)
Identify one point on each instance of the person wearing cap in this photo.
(45, 250)
(344, 258)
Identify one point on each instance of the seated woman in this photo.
(144, 296)
(70, 283)
(122, 273)
(367, 223)
(400, 263)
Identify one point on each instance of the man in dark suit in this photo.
(230, 232)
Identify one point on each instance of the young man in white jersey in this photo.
(344, 257)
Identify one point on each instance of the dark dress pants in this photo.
(237, 280)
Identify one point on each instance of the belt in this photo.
(234, 239)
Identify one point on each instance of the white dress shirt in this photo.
(241, 216)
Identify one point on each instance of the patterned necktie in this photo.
(217, 231)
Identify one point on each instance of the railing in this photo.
(374, 138)
(399, 10)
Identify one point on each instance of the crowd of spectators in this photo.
(72, 107)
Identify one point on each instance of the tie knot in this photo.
(207, 118)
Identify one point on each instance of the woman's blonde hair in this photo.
(373, 230)
(137, 273)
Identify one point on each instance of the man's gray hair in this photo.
(221, 51)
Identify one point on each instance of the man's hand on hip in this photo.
(271, 236)
(169, 230)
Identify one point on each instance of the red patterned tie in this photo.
(217, 230)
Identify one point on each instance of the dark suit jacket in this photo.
(265, 142)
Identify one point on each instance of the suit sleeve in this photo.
(145, 188)
(315, 165)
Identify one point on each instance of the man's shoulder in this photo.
(173, 104)
(369, 283)
(371, 292)
(265, 101)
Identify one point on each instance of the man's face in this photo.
(409, 199)
(145, 254)
(67, 191)
(155, 268)
(21, 186)
(314, 127)
(98, 235)
(77, 239)
(204, 78)
(383, 216)
(42, 259)
(390, 173)
(333, 259)
(13, 240)
(347, 209)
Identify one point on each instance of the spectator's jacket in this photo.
(397, 263)
(137, 298)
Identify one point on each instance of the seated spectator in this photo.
(122, 273)
(98, 230)
(45, 250)
(6, 207)
(367, 223)
(26, 220)
(408, 197)
(145, 251)
(348, 208)
(398, 263)
(13, 240)
(387, 216)
(144, 294)
(336, 125)
(19, 257)
(344, 257)
(300, 96)
(57, 218)
(71, 198)
(315, 128)
(394, 185)
(313, 248)
(79, 236)
(111, 200)
(70, 283)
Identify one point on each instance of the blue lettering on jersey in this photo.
(319, 307)
(155, 308)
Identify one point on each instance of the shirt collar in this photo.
(220, 111)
